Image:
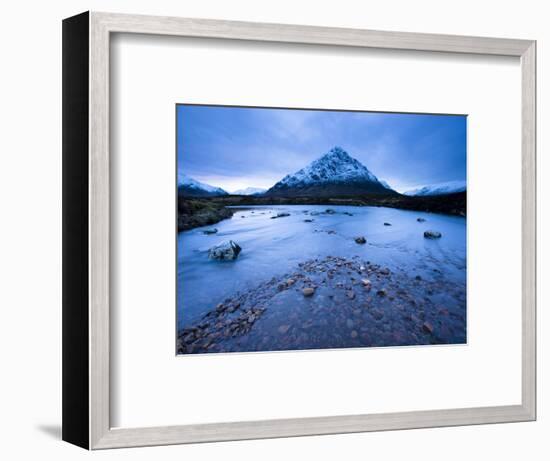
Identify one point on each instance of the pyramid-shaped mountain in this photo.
(334, 174)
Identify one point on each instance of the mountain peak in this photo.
(338, 152)
(336, 172)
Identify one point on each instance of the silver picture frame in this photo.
(86, 229)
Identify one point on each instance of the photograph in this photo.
(307, 229)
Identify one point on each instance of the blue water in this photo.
(274, 247)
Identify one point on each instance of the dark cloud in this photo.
(235, 147)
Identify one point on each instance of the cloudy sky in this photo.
(234, 148)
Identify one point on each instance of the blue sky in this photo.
(234, 147)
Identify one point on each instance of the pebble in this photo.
(308, 291)
(353, 334)
(283, 329)
(381, 292)
(428, 327)
(350, 294)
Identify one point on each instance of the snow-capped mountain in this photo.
(192, 187)
(442, 188)
(249, 191)
(335, 173)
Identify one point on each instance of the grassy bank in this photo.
(195, 212)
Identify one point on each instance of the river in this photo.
(432, 272)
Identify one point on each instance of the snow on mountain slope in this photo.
(442, 188)
(334, 173)
(336, 165)
(249, 191)
(191, 186)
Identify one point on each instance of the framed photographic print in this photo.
(275, 230)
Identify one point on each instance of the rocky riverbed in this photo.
(333, 302)
(307, 277)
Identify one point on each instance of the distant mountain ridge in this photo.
(335, 173)
(188, 186)
(443, 188)
(249, 191)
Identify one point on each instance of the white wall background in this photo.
(30, 235)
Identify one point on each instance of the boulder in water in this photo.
(430, 234)
(210, 231)
(280, 215)
(360, 240)
(226, 251)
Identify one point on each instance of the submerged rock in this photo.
(283, 329)
(210, 231)
(280, 215)
(420, 219)
(309, 220)
(429, 234)
(226, 251)
(387, 224)
(360, 240)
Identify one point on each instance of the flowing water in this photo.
(430, 273)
